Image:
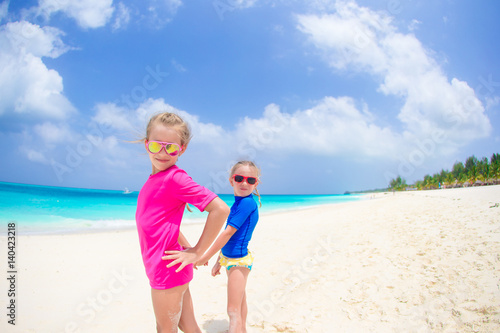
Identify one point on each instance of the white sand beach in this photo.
(426, 261)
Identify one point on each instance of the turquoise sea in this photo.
(46, 210)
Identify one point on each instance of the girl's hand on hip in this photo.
(183, 258)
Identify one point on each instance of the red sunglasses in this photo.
(249, 180)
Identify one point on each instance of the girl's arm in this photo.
(218, 244)
(216, 268)
(218, 212)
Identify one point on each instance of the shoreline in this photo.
(408, 261)
(82, 226)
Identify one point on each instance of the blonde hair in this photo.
(171, 120)
(251, 165)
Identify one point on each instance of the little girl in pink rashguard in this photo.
(160, 207)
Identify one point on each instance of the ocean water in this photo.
(47, 210)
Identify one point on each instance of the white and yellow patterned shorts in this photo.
(246, 261)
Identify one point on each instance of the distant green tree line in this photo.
(474, 172)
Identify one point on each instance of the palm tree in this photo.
(463, 179)
(398, 184)
(458, 169)
(471, 169)
(483, 170)
(495, 167)
(428, 182)
(457, 172)
(449, 179)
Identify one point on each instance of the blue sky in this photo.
(326, 96)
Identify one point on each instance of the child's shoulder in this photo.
(248, 200)
(178, 174)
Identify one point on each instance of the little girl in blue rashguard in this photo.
(244, 178)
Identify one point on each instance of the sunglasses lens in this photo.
(154, 147)
(250, 180)
(172, 149)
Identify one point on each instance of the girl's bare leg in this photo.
(244, 311)
(236, 299)
(167, 305)
(187, 322)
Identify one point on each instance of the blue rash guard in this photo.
(243, 216)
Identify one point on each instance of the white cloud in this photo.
(135, 121)
(113, 116)
(24, 37)
(161, 12)
(87, 13)
(414, 25)
(202, 132)
(36, 156)
(366, 41)
(348, 38)
(111, 149)
(334, 126)
(122, 17)
(120, 126)
(51, 133)
(27, 86)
